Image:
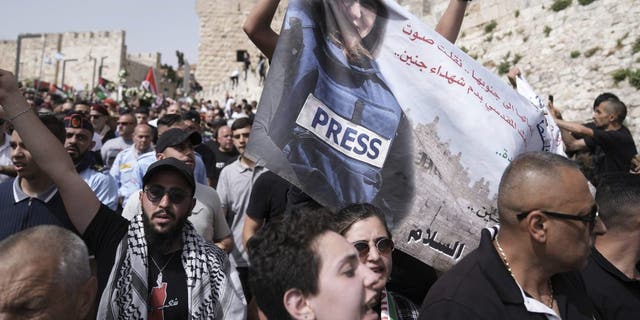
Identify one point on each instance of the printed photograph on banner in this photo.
(387, 111)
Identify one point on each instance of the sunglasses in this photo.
(589, 218)
(383, 245)
(155, 193)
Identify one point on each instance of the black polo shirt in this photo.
(480, 287)
(612, 292)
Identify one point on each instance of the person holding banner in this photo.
(526, 268)
(258, 24)
(363, 225)
(338, 123)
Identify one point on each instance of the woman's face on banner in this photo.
(362, 14)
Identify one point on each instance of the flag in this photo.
(149, 82)
(393, 114)
(102, 91)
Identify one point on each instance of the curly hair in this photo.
(282, 256)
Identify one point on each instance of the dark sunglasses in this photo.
(383, 245)
(155, 193)
(589, 218)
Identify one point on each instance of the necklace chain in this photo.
(503, 256)
(165, 264)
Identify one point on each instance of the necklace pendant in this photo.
(159, 280)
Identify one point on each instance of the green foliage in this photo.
(619, 75)
(490, 26)
(488, 38)
(517, 13)
(504, 67)
(464, 49)
(559, 5)
(634, 78)
(547, 31)
(591, 52)
(585, 2)
(516, 59)
(575, 54)
(636, 46)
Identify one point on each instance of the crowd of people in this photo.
(155, 211)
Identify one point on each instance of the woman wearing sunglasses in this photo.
(364, 226)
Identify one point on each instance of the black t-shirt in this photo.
(612, 292)
(103, 235)
(221, 159)
(612, 150)
(268, 196)
(169, 298)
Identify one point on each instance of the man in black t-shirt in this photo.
(223, 150)
(139, 263)
(612, 276)
(268, 199)
(610, 142)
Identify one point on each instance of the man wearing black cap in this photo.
(207, 218)
(78, 144)
(156, 265)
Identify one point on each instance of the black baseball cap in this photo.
(171, 164)
(176, 136)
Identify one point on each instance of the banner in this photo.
(371, 105)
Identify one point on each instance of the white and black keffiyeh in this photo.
(213, 286)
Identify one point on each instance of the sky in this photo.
(151, 25)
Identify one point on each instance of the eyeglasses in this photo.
(124, 123)
(383, 245)
(155, 193)
(589, 218)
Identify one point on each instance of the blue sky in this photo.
(151, 25)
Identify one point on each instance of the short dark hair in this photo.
(353, 213)
(54, 124)
(602, 97)
(618, 199)
(282, 257)
(241, 123)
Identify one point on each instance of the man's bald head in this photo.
(534, 180)
(49, 265)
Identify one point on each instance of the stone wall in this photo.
(79, 55)
(8, 54)
(221, 36)
(570, 54)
